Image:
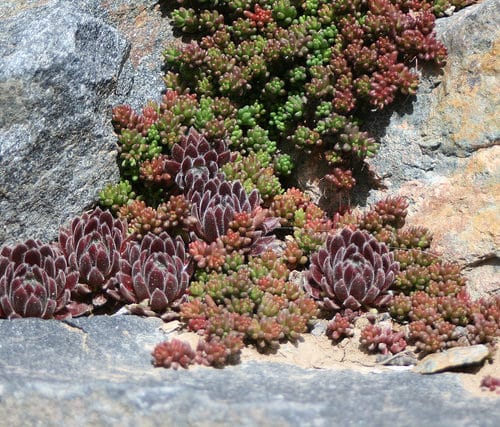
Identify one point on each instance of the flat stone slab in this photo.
(452, 358)
(97, 372)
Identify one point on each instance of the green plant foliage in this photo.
(115, 195)
(305, 72)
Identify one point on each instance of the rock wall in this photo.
(63, 65)
(441, 151)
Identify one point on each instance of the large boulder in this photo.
(63, 65)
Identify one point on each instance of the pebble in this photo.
(404, 358)
(451, 359)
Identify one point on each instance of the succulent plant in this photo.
(255, 302)
(285, 205)
(217, 351)
(154, 172)
(340, 326)
(154, 275)
(141, 219)
(491, 383)
(219, 205)
(400, 307)
(173, 216)
(264, 78)
(442, 7)
(215, 202)
(302, 71)
(431, 338)
(135, 149)
(266, 332)
(353, 270)
(382, 339)
(208, 256)
(125, 118)
(254, 173)
(437, 278)
(35, 282)
(93, 245)
(194, 152)
(341, 179)
(173, 354)
(388, 213)
(113, 196)
(438, 322)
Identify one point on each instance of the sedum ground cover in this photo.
(204, 225)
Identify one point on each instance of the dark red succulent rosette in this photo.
(35, 282)
(352, 271)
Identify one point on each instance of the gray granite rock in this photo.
(63, 65)
(58, 68)
(146, 27)
(97, 372)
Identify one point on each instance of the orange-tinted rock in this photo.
(463, 212)
(463, 115)
(144, 26)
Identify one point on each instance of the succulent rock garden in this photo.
(208, 227)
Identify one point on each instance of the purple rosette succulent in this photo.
(154, 275)
(93, 245)
(353, 270)
(35, 282)
(194, 152)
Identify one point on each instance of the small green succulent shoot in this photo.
(114, 196)
(284, 12)
(283, 165)
(186, 20)
(249, 115)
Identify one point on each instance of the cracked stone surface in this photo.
(97, 372)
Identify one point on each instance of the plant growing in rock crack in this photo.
(300, 74)
(253, 303)
(440, 322)
(154, 275)
(207, 230)
(223, 207)
(266, 78)
(173, 354)
(93, 245)
(382, 339)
